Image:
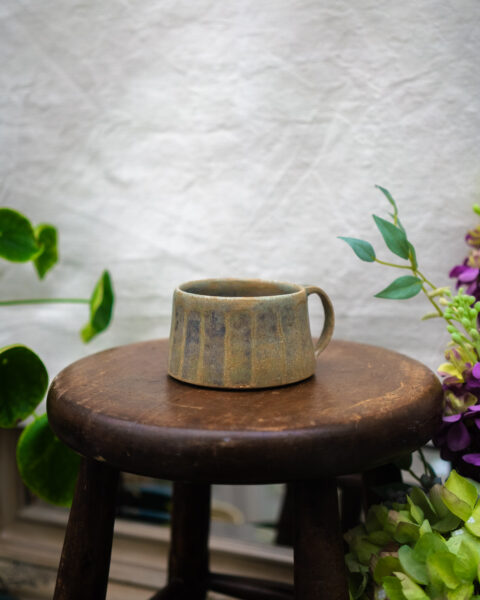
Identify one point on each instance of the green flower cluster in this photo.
(428, 548)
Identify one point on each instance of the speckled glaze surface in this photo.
(235, 333)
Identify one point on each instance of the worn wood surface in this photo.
(364, 406)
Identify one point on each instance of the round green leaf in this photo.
(17, 238)
(101, 306)
(48, 467)
(402, 288)
(364, 250)
(23, 383)
(413, 567)
(46, 236)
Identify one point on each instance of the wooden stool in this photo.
(121, 411)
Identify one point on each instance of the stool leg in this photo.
(188, 559)
(85, 560)
(319, 570)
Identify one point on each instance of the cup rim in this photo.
(295, 288)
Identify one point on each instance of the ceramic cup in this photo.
(244, 333)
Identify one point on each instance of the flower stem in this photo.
(45, 301)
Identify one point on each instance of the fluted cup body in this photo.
(234, 333)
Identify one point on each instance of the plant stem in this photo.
(426, 465)
(387, 264)
(45, 301)
(415, 476)
(432, 301)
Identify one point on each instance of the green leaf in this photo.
(394, 237)
(402, 288)
(364, 250)
(448, 523)
(23, 383)
(464, 592)
(389, 197)
(393, 588)
(464, 490)
(410, 589)
(101, 306)
(413, 567)
(415, 511)
(440, 569)
(465, 563)
(428, 544)
(419, 498)
(473, 522)
(17, 238)
(406, 533)
(46, 465)
(385, 566)
(456, 506)
(46, 236)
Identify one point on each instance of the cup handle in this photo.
(329, 322)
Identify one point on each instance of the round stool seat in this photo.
(364, 406)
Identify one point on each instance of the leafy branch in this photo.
(48, 467)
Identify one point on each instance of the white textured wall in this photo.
(173, 140)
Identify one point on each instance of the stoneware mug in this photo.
(244, 333)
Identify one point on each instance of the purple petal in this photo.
(468, 274)
(473, 459)
(472, 384)
(476, 370)
(458, 437)
(477, 423)
(456, 271)
(474, 408)
(452, 418)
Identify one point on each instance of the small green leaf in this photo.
(393, 588)
(414, 568)
(389, 197)
(463, 489)
(435, 497)
(473, 522)
(402, 288)
(364, 250)
(419, 497)
(46, 236)
(46, 465)
(428, 544)
(415, 511)
(455, 505)
(406, 533)
(101, 306)
(394, 237)
(463, 592)
(440, 569)
(410, 589)
(17, 238)
(385, 566)
(465, 563)
(23, 383)
(448, 523)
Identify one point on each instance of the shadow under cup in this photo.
(234, 333)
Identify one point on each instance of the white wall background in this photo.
(174, 140)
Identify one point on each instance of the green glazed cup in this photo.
(244, 333)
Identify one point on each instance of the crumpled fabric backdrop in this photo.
(175, 140)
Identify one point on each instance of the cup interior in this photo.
(238, 288)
